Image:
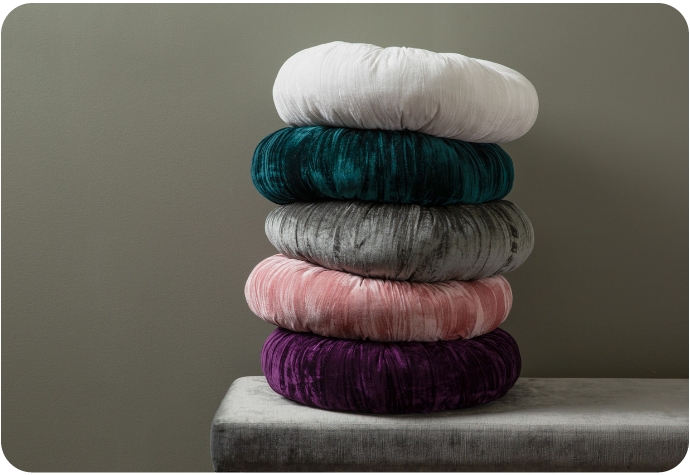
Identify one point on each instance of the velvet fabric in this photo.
(404, 242)
(304, 297)
(390, 378)
(368, 87)
(541, 425)
(320, 163)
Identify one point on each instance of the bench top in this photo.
(542, 423)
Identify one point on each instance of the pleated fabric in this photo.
(368, 87)
(404, 242)
(390, 378)
(304, 297)
(393, 234)
(324, 163)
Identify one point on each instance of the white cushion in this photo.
(368, 87)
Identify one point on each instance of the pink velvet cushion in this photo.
(304, 297)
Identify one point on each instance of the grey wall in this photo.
(130, 223)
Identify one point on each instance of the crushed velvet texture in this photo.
(390, 378)
(304, 297)
(404, 242)
(368, 87)
(320, 163)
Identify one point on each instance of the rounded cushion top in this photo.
(321, 163)
(368, 87)
(304, 297)
(390, 378)
(404, 242)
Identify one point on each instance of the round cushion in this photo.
(304, 297)
(368, 87)
(390, 378)
(317, 163)
(404, 242)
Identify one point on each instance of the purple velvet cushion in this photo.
(390, 378)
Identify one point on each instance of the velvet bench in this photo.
(542, 424)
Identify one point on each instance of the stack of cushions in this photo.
(393, 235)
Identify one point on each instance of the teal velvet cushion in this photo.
(319, 163)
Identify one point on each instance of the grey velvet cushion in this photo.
(404, 241)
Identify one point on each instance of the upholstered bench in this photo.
(542, 424)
